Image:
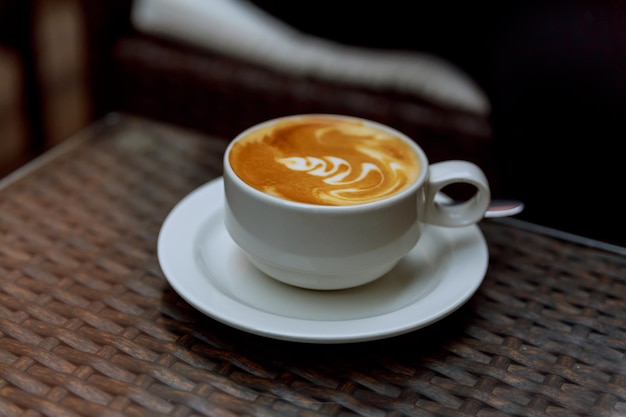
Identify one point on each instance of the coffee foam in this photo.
(325, 160)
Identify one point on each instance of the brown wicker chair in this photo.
(195, 88)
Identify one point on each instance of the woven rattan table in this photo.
(90, 326)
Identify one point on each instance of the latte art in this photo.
(333, 169)
(325, 161)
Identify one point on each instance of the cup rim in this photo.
(268, 198)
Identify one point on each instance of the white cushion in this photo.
(239, 29)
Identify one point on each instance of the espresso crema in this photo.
(325, 160)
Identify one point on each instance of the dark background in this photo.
(555, 73)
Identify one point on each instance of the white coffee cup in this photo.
(328, 247)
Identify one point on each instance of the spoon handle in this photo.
(504, 208)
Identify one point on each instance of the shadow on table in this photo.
(207, 336)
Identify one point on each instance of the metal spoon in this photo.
(504, 208)
(497, 208)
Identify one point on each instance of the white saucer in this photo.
(208, 270)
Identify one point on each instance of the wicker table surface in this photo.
(89, 325)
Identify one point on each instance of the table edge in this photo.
(57, 150)
(562, 235)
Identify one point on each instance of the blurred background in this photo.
(553, 74)
(43, 90)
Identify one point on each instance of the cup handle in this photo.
(466, 213)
